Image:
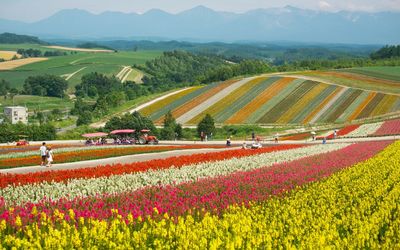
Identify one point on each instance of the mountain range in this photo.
(204, 24)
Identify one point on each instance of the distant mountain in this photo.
(203, 24)
(14, 39)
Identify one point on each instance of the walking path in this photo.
(69, 76)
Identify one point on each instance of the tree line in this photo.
(13, 132)
(38, 53)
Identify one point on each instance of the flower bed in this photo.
(391, 127)
(239, 210)
(365, 130)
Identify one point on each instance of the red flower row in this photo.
(342, 132)
(117, 169)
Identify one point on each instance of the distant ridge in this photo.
(15, 39)
(204, 24)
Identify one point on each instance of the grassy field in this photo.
(36, 103)
(384, 79)
(106, 63)
(388, 73)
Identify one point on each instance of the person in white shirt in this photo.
(49, 156)
(43, 150)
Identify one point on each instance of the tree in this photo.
(40, 117)
(84, 118)
(4, 87)
(168, 131)
(103, 85)
(46, 85)
(206, 125)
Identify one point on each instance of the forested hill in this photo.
(15, 39)
(387, 52)
(182, 68)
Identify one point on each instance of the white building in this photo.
(16, 114)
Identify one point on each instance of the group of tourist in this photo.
(203, 136)
(100, 141)
(124, 141)
(47, 155)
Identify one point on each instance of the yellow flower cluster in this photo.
(358, 207)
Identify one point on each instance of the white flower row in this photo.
(365, 130)
(131, 182)
(59, 150)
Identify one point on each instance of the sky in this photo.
(34, 10)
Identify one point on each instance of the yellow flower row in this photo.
(355, 208)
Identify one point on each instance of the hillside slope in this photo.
(274, 99)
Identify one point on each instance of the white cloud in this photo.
(323, 5)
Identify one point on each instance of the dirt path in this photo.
(128, 72)
(122, 73)
(156, 100)
(80, 49)
(69, 76)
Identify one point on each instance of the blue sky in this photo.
(33, 10)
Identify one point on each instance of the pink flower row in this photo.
(212, 194)
(391, 127)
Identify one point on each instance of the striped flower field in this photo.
(284, 196)
(275, 100)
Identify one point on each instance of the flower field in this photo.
(279, 99)
(284, 196)
(73, 154)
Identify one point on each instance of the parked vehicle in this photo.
(145, 138)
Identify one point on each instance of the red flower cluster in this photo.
(342, 132)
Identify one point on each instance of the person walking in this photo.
(50, 156)
(43, 150)
(253, 136)
(228, 141)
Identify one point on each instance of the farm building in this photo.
(16, 114)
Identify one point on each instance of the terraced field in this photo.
(273, 100)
